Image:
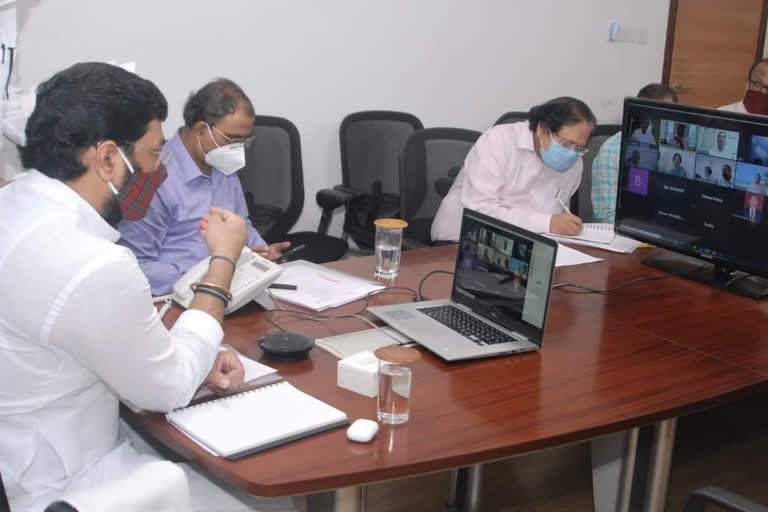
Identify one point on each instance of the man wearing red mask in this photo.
(78, 329)
(756, 96)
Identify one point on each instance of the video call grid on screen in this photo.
(494, 269)
(697, 196)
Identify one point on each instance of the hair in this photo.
(754, 66)
(83, 105)
(216, 99)
(657, 92)
(678, 155)
(559, 112)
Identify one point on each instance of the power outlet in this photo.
(627, 34)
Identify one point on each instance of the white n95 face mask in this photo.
(226, 159)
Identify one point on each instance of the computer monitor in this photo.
(693, 180)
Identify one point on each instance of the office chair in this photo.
(511, 117)
(711, 495)
(371, 143)
(581, 203)
(4, 505)
(431, 160)
(273, 184)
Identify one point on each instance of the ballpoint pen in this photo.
(292, 250)
(562, 203)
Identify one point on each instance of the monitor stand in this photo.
(716, 275)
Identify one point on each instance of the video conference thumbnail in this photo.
(482, 249)
(678, 135)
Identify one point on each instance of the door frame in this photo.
(670, 43)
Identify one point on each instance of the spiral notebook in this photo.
(256, 420)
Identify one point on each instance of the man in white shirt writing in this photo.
(78, 329)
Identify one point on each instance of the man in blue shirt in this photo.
(202, 160)
(605, 167)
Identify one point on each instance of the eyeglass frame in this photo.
(569, 144)
(232, 140)
(162, 155)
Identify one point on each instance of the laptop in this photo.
(499, 299)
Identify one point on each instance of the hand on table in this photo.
(227, 374)
(272, 251)
(565, 224)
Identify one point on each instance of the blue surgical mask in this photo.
(558, 157)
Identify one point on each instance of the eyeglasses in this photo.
(757, 85)
(233, 139)
(569, 144)
(162, 155)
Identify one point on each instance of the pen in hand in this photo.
(562, 203)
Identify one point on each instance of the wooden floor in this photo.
(727, 446)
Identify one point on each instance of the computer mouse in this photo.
(286, 346)
(362, 430)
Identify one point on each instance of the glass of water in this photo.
(395, 378)
(389, 240)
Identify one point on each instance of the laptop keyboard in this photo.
(467, 325)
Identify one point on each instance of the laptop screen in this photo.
(504, 273)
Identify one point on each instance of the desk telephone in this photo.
(252, 277)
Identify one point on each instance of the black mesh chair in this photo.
(273, 184)
(581, 203)
(431, 160)
(511, 117)
(4, 505)
(371, 143)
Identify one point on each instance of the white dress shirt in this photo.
(78, 331)
(735, 107)
(502, 177)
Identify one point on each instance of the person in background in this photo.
(644, 133)
(756, 187)
(756, 91)
(634, 160)
(605, 166)
(521, 173)
(708, 175)
(727, 175)
(752, 212)
(203, 159)
(78, 328)
(680, 139)
(677, 167)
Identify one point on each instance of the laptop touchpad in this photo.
(400, 314)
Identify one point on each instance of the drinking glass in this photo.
(388, 244)
(395, 382)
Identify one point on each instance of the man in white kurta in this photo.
(79, 332)
(504, 178)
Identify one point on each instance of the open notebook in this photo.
(256, 420)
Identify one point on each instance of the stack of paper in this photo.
(345, 345)
(599, 235)
(320, 288)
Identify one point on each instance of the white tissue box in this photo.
(359, 373)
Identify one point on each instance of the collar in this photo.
(183, 163)
(62, 194)
(524, 136)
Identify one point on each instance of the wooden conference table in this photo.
(609, 363)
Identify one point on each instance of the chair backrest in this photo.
(371, 144)
(273, 178)
(583, 197)
(511, 117)
(429, 157)
(4, 505)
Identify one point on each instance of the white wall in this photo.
(451, 62)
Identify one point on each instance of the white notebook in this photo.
(592, 232)
(256, 420)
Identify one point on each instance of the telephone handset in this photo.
(253, 274)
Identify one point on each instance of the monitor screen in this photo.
(693, 180)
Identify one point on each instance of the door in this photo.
(710, 47)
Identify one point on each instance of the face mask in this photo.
(226, 159)
(137, 193)
(557, 157)
(756, 102)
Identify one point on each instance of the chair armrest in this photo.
(700, 498)
(332, 198)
